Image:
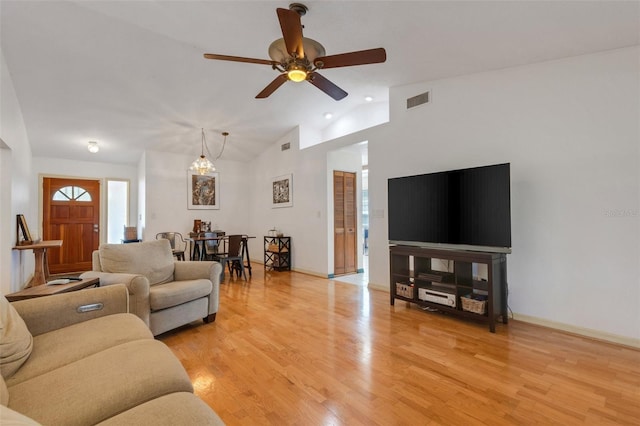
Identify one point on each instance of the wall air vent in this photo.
(285, 146)
(417, 100)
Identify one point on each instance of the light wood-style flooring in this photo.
(292, 349)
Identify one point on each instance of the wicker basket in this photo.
(472, 305)
(404, 290)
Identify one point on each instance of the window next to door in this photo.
(117, 209)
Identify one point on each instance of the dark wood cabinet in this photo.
(277, 253)
(468, 284)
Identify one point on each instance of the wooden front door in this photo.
(344, 222)
(71, 213)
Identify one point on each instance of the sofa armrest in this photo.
(191, 270)
(44, 314)
(137, 286)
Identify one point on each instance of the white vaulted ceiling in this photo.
(131, 75)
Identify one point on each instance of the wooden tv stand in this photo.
(419, 275)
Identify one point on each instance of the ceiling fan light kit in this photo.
(298, 58)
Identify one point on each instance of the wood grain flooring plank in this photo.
(293, 349)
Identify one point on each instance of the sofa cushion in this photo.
(153, 259)
(179, 408)
(66, 345)
(4, 392)
(8, 417)
(16, 341)
(101, 385)
(175, 293)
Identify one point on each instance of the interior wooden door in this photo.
(71, 213)
(344, 222)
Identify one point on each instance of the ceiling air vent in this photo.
(417, 100)
(285, 146)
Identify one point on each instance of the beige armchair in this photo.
(163, 292)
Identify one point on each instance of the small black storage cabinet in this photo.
(277, 253)
(420, 275)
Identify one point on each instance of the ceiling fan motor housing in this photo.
(300, 8)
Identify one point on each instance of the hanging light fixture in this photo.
(202, 165)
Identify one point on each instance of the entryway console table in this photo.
(468, 284)
(277, 253)
(41, 273)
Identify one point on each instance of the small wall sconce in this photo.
(93, 147)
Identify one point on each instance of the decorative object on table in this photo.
(130, 233)
(272, 232)
(202, 165)
(203, 191)
(197, 225)
(22, 228)
(282, 191)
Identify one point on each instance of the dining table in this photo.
(197, 249)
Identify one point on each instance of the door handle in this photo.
(95, 227)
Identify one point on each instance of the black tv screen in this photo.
(467, 207)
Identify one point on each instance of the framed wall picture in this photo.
(23, 229)
(282, 191)
(203, 191)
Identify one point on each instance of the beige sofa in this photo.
(163, 292)
(80, 359)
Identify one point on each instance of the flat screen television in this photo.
(467, 209)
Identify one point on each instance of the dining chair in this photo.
(177, 242)
(211, 246)
(233, 257)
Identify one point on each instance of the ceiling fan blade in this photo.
(361, 57)
(277, 82)
(291, 31)
(327, 87)
(239, 59)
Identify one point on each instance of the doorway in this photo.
(71, 213)
(345, 221)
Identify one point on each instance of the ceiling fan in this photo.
(298, 58)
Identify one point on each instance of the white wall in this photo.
(570, 130)
(363, 117)
(166, 196)
(16, 266)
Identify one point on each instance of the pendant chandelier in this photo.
(202, 164)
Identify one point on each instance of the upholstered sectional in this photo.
(63, 366)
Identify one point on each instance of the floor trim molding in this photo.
(581, 331)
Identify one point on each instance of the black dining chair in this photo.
(211, 247)
(232, 258)
(178, 244)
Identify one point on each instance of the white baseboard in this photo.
(378, 287)
(582, 331)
